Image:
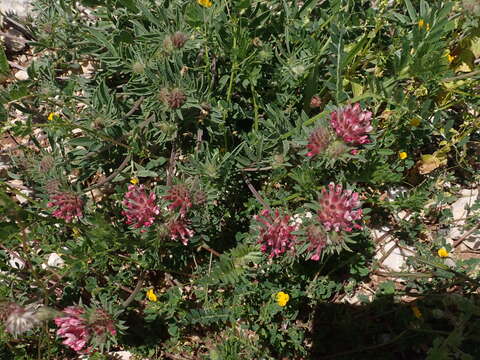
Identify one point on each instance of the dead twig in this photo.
(466, 235)
(135, 291)
(112, 176)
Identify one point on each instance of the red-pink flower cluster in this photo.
(318, 240)
(352, 124)
(181, 199)
(68, 206)
(74, 328)
(179, 195)
(318, 141)
(178, 229)
(276, 233)
(78, 326)
(339, 209)
(141, 209)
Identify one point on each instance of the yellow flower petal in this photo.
(415, 122)
(282, 298)
(416, 312)
(134, 180)
(51, 116)
(151, 295)
(402, 155)
(205, 3)
(442, 252)
(421, 23)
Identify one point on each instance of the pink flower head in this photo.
(318, 141)
(68, 206)
(352, 124)
(318, 241)
(275, 232)
(338, 208)
(179, 195)
(140, 207)
(178, 230)
(74, 328)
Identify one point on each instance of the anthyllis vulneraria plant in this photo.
(178, 229)
(350, 125)
(67, 206)
(179, 196)
(275, 232)
(140, 207)
(173, 98)
(85, 329)
(339, 209)
(338, 214)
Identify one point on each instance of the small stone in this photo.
(21, 75)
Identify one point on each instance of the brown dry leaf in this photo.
(428, 163)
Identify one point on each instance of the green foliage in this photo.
(222, 102)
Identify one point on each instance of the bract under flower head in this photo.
(275, 232)
(141, 209)
(338, 208)
(352, 124)
(68, 206)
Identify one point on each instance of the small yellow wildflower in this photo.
(151, 295)
(76, 232)
(134, 180)
(442, 252)
(402, 155)
(52, 116)
(416, 312)
(421, 24)
(449, 56)
(205, 3)
(415, 122)
(282, 298)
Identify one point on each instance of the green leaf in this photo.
(4, 67)
(411, 10)
(146, 173)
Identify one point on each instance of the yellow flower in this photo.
(151, 295)
(449, 56)
(415, 122)
(442, 252)
(402, 155)
(282, 298)
(76, 232)
(421, 24)
(134, 180)
(205, 3)
(416, 312)
(52, 116)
